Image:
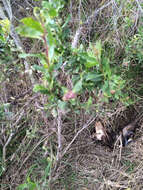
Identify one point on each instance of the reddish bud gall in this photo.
(112, 91)
(69, 95)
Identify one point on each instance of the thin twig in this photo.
(6, 144)
(59, 135)
(114, 184)
(92, 119)
(19, 118)
(84, 127)
(25, 160)
(118, 141)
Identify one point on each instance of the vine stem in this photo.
(46, 50)
(46, 45)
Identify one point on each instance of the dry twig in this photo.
(4, 147)
(59, 126)
(90, 121)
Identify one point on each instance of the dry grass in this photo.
(78, 161)
(92, 165)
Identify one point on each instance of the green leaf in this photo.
(90, 61)
(31, 23)
(90, 64)
(31, 28)
(93, 77)
(40, 88)
(5, 23)
(97, 49)
(31, 185)
(77, 87)
(22, 186)
(106, 68)
(51, 53)
(89, 102)
(62, 105)
(47, 170)
(53, 12)
(39, 68)
(29, 32)
(24, 55)
(59, 64)
(51, 40)
(53, 5)
(66, 21)
(2, 39)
